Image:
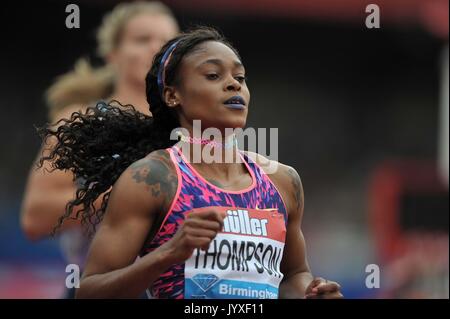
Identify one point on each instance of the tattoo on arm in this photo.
(296, 186)
(156, 174)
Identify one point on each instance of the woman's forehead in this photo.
(212, 50)
(158, 25)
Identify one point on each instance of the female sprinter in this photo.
(201, 230)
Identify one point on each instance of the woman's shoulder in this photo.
(270, 167)
(66, 112)
(285, 177)
(158, 162)
(152, 175)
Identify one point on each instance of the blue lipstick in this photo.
(235, 102)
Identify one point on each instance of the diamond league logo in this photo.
(205, 281)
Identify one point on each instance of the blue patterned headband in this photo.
(162, 66)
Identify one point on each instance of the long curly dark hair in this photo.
(97, 145)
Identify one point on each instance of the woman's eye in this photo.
(212, 76)
(142, 39)
(241, 79)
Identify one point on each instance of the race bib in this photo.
(243, 261)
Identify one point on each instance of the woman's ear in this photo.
(171, 96)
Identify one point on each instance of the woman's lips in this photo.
(236, 102)
(235, 106)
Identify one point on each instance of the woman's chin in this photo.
(236, 124)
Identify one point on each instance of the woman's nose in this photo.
(234, 85)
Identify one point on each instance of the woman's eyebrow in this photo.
(219, 62)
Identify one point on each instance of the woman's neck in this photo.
(129, 93)
(220, 159)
